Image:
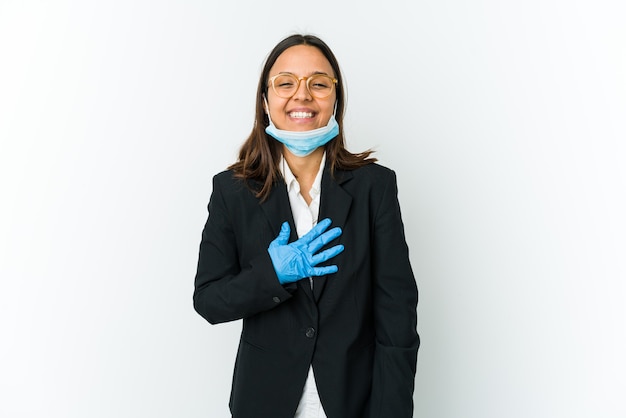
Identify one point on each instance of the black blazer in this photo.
(357, 327)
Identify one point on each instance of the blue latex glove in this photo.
(297, 260)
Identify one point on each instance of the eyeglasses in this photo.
(320, 86)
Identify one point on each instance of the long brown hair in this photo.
(260, 153)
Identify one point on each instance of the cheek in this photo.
(275, 107)
(328, 112)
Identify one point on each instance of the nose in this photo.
(302, 93)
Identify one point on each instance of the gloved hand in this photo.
(297, 260)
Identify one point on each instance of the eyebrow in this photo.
(313, 73)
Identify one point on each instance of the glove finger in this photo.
(315, 232)
(326, 255)
(324, 239)
(322, 271)
(283, 235)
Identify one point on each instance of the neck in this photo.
(304, 169)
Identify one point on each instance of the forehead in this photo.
(302, 60)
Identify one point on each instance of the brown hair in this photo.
(260, 153)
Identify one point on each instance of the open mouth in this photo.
(301, 115)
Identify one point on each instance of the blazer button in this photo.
(276, 299)
(310, 332)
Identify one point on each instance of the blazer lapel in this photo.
(334, 204)
(277, 209)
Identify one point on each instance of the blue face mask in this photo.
(303, 143)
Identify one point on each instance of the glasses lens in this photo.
(321, 86)
(285, 85)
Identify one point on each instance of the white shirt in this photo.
(305, 217)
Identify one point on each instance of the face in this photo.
(301, 112)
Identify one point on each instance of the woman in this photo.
(329, 314)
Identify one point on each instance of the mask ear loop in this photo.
(266, 106)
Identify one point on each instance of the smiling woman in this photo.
(329, 313)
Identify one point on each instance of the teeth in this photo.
(301, 115)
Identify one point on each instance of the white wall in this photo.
(505, 121)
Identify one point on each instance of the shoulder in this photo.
(225, 176)
(369, 183)
(374, 174)
(228, 179)
(228, 184)
(373, 169)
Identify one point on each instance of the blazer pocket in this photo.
(253, 346)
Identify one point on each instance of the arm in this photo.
(224, 291)
(395, 305)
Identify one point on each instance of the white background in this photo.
(506, 124)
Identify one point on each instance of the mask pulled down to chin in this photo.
(303, 143)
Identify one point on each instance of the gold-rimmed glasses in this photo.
(320, 86)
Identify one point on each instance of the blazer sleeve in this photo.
(395, 311)
(223, 289)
